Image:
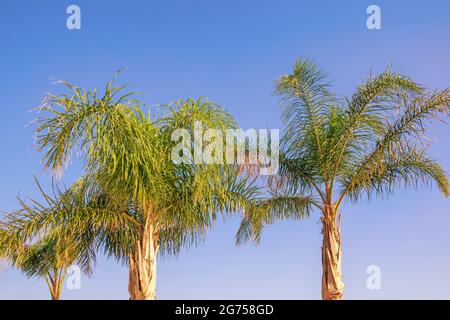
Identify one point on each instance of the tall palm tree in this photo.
(336, 149)
(47, 255)
(128, 164)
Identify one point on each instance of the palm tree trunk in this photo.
(54, 283)
(332, 284)
(142, 269)
(56, 291)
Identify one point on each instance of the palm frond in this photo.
(268, 211)
(408, 128)
(305, 102)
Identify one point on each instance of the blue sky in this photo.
(231, 52)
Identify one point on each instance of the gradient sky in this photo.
(231, 52)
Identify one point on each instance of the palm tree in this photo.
(129, 173)
(42, 259)
(47, 255)
(336, 149)
(39, 260)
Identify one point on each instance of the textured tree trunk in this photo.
(56, 291)
(332, 284)
(142, 269)
(54, 281)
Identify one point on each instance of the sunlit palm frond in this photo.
(305, 103)
(408, 128)
(268, 211)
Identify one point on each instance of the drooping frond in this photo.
(40, 258)
(366, 113)
(268, 211)
(305, 102)
(68, 122)
(197, 205)
(129, 171)
(337, 148)
(298, 176)
(182, 114)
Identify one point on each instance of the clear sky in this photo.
(231, 52)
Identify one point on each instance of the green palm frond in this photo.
(268, 211)
(305, 102)
(128, 169)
